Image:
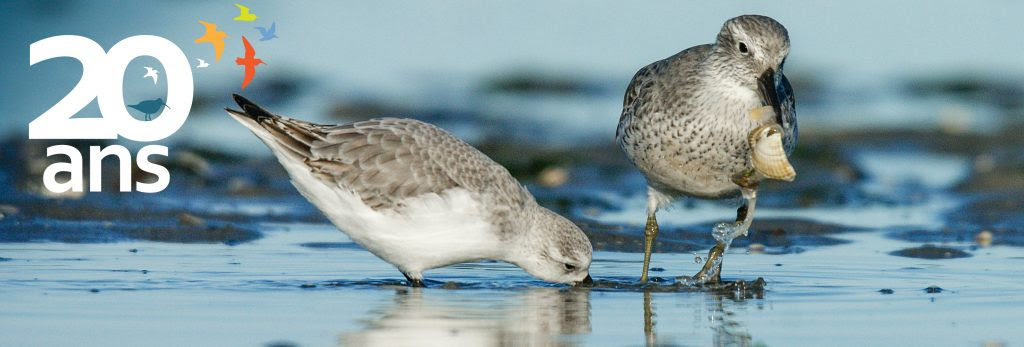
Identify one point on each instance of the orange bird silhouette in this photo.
(250, 61)
(214, 37)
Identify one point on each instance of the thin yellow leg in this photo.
(650, 232)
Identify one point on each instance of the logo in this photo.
(103, 80)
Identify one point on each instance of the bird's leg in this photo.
(414, 282)
(724, 233)
(650, 232)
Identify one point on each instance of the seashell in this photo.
(768, 155)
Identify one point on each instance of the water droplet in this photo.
(697, 259)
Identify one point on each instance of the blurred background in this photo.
(554, 71)
(538, 86)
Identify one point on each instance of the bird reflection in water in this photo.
(718, 308)
(536, 316)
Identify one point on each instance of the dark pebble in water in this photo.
(145, 272)
(133, 250)
(5, 259)
(886, 291)
(933, 290)
(657, 279)
(94, 290)
(282, 344)
(331, 245)
(931, 252)
(778, 264)
(656, 269)
(307, 286)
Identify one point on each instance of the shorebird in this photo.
(249, 61)
(244, 14)
(202, 63)
(151, 72)
(214, 37)
(418, 197)
(150, 107)
(267, 34)
(711, 122)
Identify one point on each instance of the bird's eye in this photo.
(569, 267)
(743, 48)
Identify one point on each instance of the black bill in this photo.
(586, 282)
(769, 95)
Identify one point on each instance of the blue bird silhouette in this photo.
(268, 33)
(150, 107)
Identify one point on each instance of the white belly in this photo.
(428, 231)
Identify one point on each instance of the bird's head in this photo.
(552, 248)
(754, 49)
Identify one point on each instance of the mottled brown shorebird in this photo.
(418, 197)
(710, 122)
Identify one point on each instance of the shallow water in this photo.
(277, 289)
(835, 274)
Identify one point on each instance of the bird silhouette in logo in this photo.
(202, 63)
(268, 33)
(149, 107)
(214, 37)
(244, 14)
(250, 61)
(151, 72)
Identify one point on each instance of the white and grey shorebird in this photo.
(418, 197)
(710, 122)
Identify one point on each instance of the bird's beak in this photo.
(587, 281)
(766, 85)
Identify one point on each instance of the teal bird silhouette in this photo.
(150, 107)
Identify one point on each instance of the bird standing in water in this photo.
(710, 122)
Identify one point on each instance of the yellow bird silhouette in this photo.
(214, 37)
(245, 15)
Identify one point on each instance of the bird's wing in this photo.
(262, 30)
(383, 161)
(273, 27)
(149, 70)
(249, 51)
(218, 49)
(210, 27)
(242, 9)
(250, 72)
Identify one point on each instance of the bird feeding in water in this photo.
(418, 197)
(711, 122)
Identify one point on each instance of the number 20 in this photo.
(103, 79)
